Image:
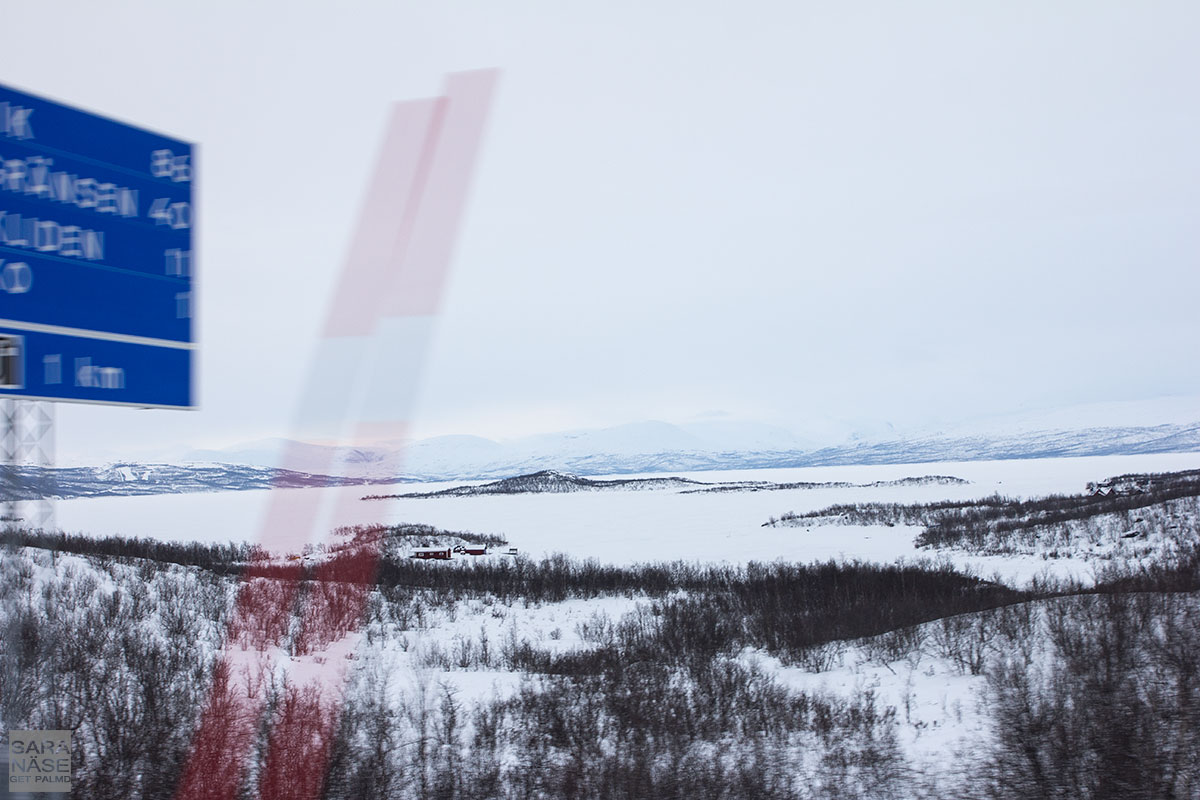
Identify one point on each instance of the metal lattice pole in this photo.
(8, 461)
(27, 459)
(37, 445)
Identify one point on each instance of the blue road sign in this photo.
(96, 262)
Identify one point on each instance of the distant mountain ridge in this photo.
(638, 448)
(124, 479)
(651, 449)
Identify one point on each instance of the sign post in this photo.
(96, 269)
(96, 258)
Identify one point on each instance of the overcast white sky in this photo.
(782, 211)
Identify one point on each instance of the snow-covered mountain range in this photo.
(1171, 425)
(661, 447)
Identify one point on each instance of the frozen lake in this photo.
(624, 526)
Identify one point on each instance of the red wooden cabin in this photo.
(440, 553)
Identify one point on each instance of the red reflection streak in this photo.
(396, 267)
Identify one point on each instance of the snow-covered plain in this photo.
(641, 526)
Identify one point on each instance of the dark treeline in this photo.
(778, 612)
(784, 608)
(558, 577)
(951, 523)
(889, 513)
(551, 579)
(788, 609)
(700, 610)
(224, 559)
